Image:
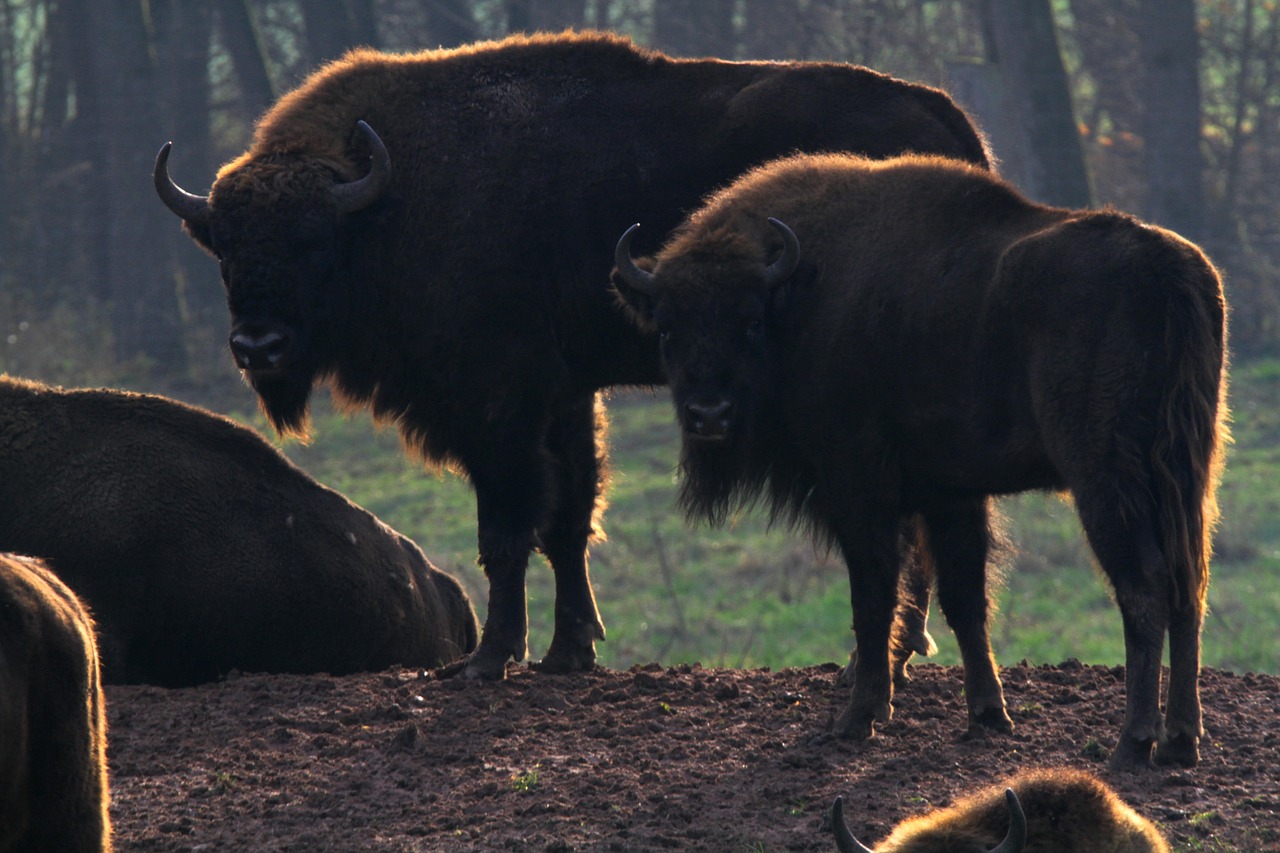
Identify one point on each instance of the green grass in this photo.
(747, 595)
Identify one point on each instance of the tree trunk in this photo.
(1171, 126)
(450, 22)
(544, 15)
(694, 27)
(240, 36)
(1024, 46)
(335, 26)
(116, 92)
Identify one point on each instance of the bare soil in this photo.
(653, 758)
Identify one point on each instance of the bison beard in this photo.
(285, 398)
(955, 343)
(461, 206)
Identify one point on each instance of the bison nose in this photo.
(260, 348)
(708, 420)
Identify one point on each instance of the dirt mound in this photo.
(653, 758)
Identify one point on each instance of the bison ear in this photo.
(780, 297)
(199, 231)
(636, 303)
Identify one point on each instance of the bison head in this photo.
(930, 837)
(277, 223)
(714, 303)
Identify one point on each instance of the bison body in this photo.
(1040, 811)
(445, 263)
(53, 725)
(909, 338)
(201, 549)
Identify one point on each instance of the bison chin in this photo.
(717, 476)
(285, 399)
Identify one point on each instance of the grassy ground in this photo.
(746, 595)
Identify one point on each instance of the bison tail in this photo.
(1192, 429)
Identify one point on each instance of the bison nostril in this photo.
(710, 418)
(260, 350)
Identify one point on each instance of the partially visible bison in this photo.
(430, 234)
(1040, 811)
(856, 343)
(202, 549)
(53, 725)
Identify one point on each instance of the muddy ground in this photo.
(653, 758)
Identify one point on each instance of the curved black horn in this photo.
(1016, 838)
(781, 269)
(627, 269)
(362, 192)
(191, 207)
(845, 842)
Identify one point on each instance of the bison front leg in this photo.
(576, 440)
(511, 494)
(870, 548)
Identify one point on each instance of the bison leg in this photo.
(1133, 562)
(577, 442)
(958, 538)
(511, 497)
(870, 548)
(910, 623)
(1182, 716)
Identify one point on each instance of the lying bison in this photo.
(53, 725)
(918, 337)
(201, 549)
(430, 234)
(1043, 811)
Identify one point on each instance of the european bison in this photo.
(855, 343)
(1041, 811)
(202, 549)
(53, 725)
(430, 235)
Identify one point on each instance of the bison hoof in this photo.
(560, 659)
(858, 723)
(1132, 754)
(482, 665)
(994, 719)
(1180, 750)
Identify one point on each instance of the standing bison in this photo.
(53, 725)
(1041, 811)
(430, 235)
(202, 549)
(856, 343)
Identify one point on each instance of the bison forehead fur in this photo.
(1066, 811)
(942, 341)
(202, 549)
(53, 725)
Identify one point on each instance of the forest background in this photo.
(1169, 109)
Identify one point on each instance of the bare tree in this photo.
(1023, 44)
(694, 27)
(544, 15)
(1171, 125)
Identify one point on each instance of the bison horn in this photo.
(1016, 838)
(845, 841)
(359, 194)
(781, 269)
(191, 207)
(635, 277)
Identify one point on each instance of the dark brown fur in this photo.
(202, 549)
(53, 725)
(1067, 811)
(469, 304)
(944, 340)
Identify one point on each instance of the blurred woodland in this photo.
(1166, 108)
